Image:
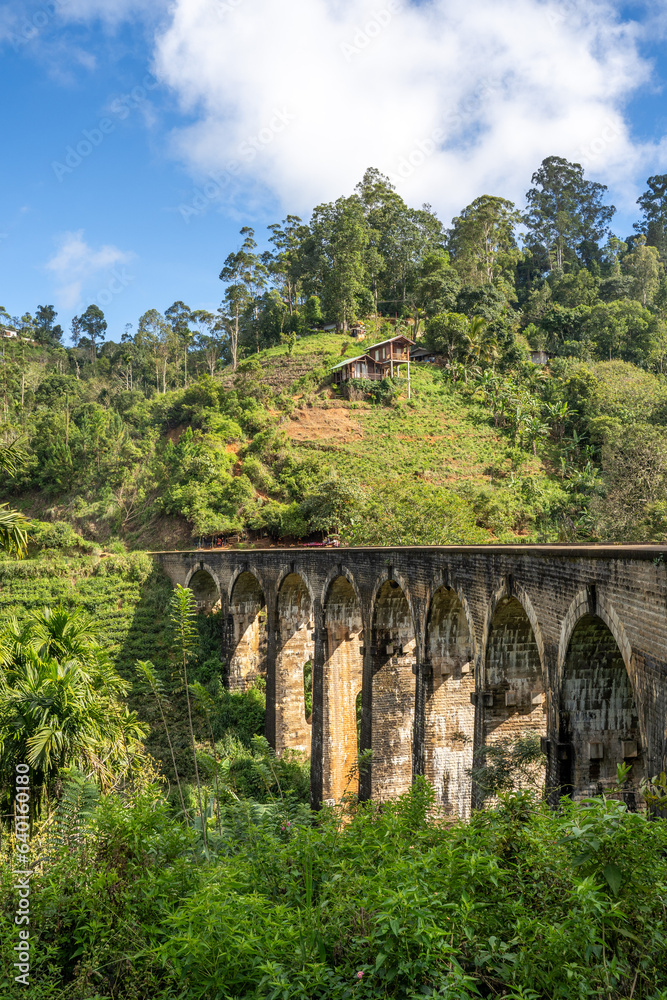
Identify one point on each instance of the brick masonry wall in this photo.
(247, 623)
(343, 672)
(623, 587)
(449, 725)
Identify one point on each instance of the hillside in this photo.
(239, 454)
(275, 453)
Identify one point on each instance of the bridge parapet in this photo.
(447, 649)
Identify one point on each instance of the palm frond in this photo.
(14, 528)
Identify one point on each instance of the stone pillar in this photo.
(317, 721)
(270, 724)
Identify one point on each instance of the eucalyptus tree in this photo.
(156, 335)
(653, 203)
(335, 249)
(179, 317)
(47, 331)
(482, 242)
(92, 325)
(382, 208)
(210, 336)
(285, 264)
(643, 265)
(564, 210)
(246, 275)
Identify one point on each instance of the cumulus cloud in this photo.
(78, 268)
(451, 100)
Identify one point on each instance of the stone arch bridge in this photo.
(424, 654)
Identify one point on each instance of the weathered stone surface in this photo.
(567, 642)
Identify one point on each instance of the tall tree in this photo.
(156, 335)
(482, 242)
(382, 208)
(46, 329)
(92, 325)
(209, 337)
(245, 274)
(179, 317)
(653, 203)
(285, 263)
(565, 210)
(338, 241)
(643, 265)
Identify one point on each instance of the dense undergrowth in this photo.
(517, 903)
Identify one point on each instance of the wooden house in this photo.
(362, 366)
(380, 361)
(421, 354)
(392, 352)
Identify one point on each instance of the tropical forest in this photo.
(167, 851)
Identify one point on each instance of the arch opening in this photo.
(343, 669)
(247, 626)
(513, 698)
(449, 679)
(598, 719)
(294, 650)
(394, 668)
(205, 591)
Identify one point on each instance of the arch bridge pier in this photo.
(424, 655)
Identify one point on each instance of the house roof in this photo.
(347, 361)
(399, 336)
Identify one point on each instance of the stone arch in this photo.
(598, 721)
(343, 672)
(509, 588)
(247, 631)
(294, 650)
(395, 578)
(203, 581)
(393, 671)
(513, 691)
(449, 715)
(591, 600)
(242, 569)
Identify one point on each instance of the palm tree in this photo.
(60, 700)
(481, 343)
(14, 526)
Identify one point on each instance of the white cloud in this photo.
(78, 268)
(452, 99)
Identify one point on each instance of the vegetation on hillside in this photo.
(201, 424)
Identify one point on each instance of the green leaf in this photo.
(614, 877)
(581, 859)
(379, 960)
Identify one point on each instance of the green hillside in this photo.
(274, 452)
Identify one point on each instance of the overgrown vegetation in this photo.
(521, 902)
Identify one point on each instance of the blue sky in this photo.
(139, 137)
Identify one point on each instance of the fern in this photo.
(78, 801)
